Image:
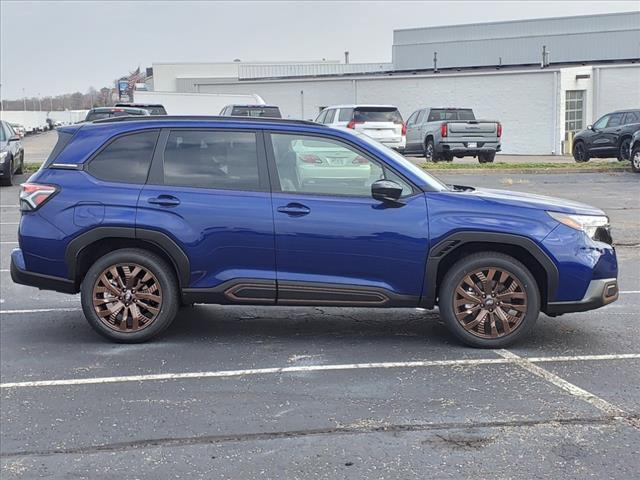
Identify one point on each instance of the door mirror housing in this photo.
(14, 138)
(589, 127)
(387, 191)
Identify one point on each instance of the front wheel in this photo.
(624, 152)
(489, 300)
(7, 177)
(635, 159)
(580, 153)
(20, 169)
(130, 295)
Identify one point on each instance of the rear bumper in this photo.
(44, 282)
(600, 292)
(462, 148)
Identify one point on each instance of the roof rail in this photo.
(152, 118)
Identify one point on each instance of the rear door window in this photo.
(377, 114)
(125, 159)
(321, 117)
(615, 120)
(632, 117)
(212, 159)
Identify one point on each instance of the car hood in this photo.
(540, 202)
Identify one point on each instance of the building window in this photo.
(574, 110)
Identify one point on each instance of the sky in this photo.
(55, 47)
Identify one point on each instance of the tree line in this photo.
(105, 97)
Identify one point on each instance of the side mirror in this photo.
(589, 127)
(14, 138)
(387, 191)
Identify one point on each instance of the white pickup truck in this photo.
(444, 133)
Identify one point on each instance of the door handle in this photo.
(294, 209)
(165, 200)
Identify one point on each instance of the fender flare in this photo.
(456, 240)
(161, 240)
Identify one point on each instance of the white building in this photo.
(537, 100)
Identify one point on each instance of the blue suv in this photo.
(143, 215)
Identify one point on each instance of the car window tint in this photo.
(377, 114)
(632, 117)
(330, 116)
(615, 120)
(126, 159)
(412, 118)
(212, 159)
(345, 114)
(602, 122)
(438, 114)
(321, 117)
(318, 165)
(3, 135)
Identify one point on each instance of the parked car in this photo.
(163, 211)
(444, 133)
(270, 111)
(610, 136)
(380, 122)
(152, 108)
(635, 152)
(19, 129)
(100, 113)
(11, 154)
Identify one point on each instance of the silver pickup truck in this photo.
(444, 133)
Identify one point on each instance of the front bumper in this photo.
(20, 275)
(599, 293)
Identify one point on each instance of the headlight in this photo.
(587, 223)
(3, 155)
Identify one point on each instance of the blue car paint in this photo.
(347, 240)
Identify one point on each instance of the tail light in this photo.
(34, 195)
(360, 161)
(444, 130)
(499, 129)
(352, 124)
(314, 159)
(404, 129)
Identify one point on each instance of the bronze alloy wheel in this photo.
(127, 297)
(490, 302)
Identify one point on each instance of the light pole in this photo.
(39, 102)
(24, 101)
(51, 104)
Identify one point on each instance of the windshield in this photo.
(429, 179)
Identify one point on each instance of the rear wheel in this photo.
(430, 153)
(489, 300)
(130, 295)
(635, 159)
(486, 157)
(580, 153)
(624, 152)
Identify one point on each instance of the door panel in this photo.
(211, 195)
(334, 243)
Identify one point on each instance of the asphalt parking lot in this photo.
(249, 392)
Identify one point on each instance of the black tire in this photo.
(7, 177)
(163, 273)
(429, 151)
(624, 152)
(635, 159)
(20, 169)
(580, 153)
(486, 157)
(472, 263)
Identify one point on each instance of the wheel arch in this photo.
(86, 248)
(458, 245)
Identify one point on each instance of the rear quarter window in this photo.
(63, 141)
(126, 159)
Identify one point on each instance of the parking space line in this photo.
(8, 243)
(599, 403)
(471, 362)
(39, 310)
